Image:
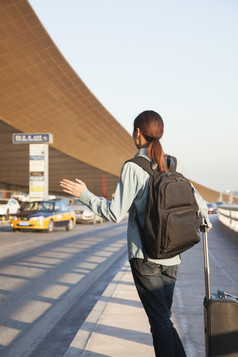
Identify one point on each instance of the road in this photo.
(50, 282)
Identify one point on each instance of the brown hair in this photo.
(151, 126)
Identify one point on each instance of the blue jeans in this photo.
(155, 285)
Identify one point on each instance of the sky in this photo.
(179, 58)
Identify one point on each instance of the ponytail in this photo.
(156, 153)
(151, 126)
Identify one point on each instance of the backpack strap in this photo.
(142, 162)
(171, 162)
(150, 166)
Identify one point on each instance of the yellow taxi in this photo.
(44, 215)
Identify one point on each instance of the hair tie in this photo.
(148, 138)
(151, 138)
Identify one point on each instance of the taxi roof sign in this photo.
(42, 138)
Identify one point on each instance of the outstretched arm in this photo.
(114, 210)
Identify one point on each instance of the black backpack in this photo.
(172, 220)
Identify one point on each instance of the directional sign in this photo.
(20, 138)
(38, 167)
(38, 161)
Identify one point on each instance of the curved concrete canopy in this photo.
(40, 92)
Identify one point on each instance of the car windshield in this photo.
(39, 206)
(75, 202)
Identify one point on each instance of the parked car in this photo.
(83, 214)
(220, 203)
(212, 208)
(8, 206)
(44, 215)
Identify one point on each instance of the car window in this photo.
(74, 202)
(45, 206)
(64, 207)
(3, 202)
(58, 206)
(32, 206)
(39, 206)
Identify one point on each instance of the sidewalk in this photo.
(118, 325)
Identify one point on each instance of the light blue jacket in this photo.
(132, 187)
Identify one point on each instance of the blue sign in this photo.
(20, 138)
(36, 157)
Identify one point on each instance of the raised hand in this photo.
(73, 188)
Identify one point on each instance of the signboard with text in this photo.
(20, 138)
(38, 167)
(38, 161)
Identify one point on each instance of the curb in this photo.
(82, 337)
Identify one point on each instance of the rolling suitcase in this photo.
(220, 317)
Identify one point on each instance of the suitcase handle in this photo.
(206, 264)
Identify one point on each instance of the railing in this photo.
(228, 216)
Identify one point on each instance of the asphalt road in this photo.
(50, 282)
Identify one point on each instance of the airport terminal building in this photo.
(41, 93)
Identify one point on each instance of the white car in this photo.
(83, 214)
(8, 206)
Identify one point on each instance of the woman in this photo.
(155, 279)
